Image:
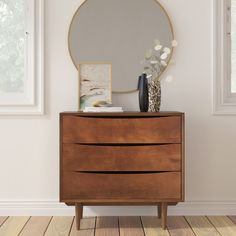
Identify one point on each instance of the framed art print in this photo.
(94, 83)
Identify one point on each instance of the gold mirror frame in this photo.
(117, 91)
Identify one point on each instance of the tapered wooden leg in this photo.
(78, 214)
(159, 210)
(163, 214)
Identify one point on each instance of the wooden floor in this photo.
(115, 226)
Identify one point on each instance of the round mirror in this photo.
(121, 32)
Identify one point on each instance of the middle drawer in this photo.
(78, 157)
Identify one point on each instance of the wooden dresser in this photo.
(122, 159)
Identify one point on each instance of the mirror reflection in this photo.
(121, 32)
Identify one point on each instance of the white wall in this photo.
(29, 157)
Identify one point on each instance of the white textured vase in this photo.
(154, 91)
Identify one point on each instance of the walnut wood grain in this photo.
(121, 158)
(82, 186)
(120, 202)
(163, 215)
(78, 214)
(123, 114)
(128, 158)
(159, 211)
(77, 129)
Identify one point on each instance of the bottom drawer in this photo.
(120, 186)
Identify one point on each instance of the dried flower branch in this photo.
(157, 59)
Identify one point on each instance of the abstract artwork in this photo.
(94, 83)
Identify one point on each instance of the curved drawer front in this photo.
(121, 158)
(78, 129)
(92, 186)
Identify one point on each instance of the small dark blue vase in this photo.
(143, 93)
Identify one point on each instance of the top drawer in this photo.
(77, 129)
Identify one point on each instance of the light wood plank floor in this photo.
(118, 226)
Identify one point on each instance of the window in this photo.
(232, 36)
(224, 48)
(21, 56)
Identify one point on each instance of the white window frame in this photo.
(224, 101)
(32, 101)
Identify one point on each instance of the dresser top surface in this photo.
(124, 114)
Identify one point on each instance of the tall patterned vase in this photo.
(154, 91)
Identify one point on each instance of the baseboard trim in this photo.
(34, 208)
(47, 208)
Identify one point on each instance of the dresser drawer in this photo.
(89, 186)
(78, 157)
(151, 130)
